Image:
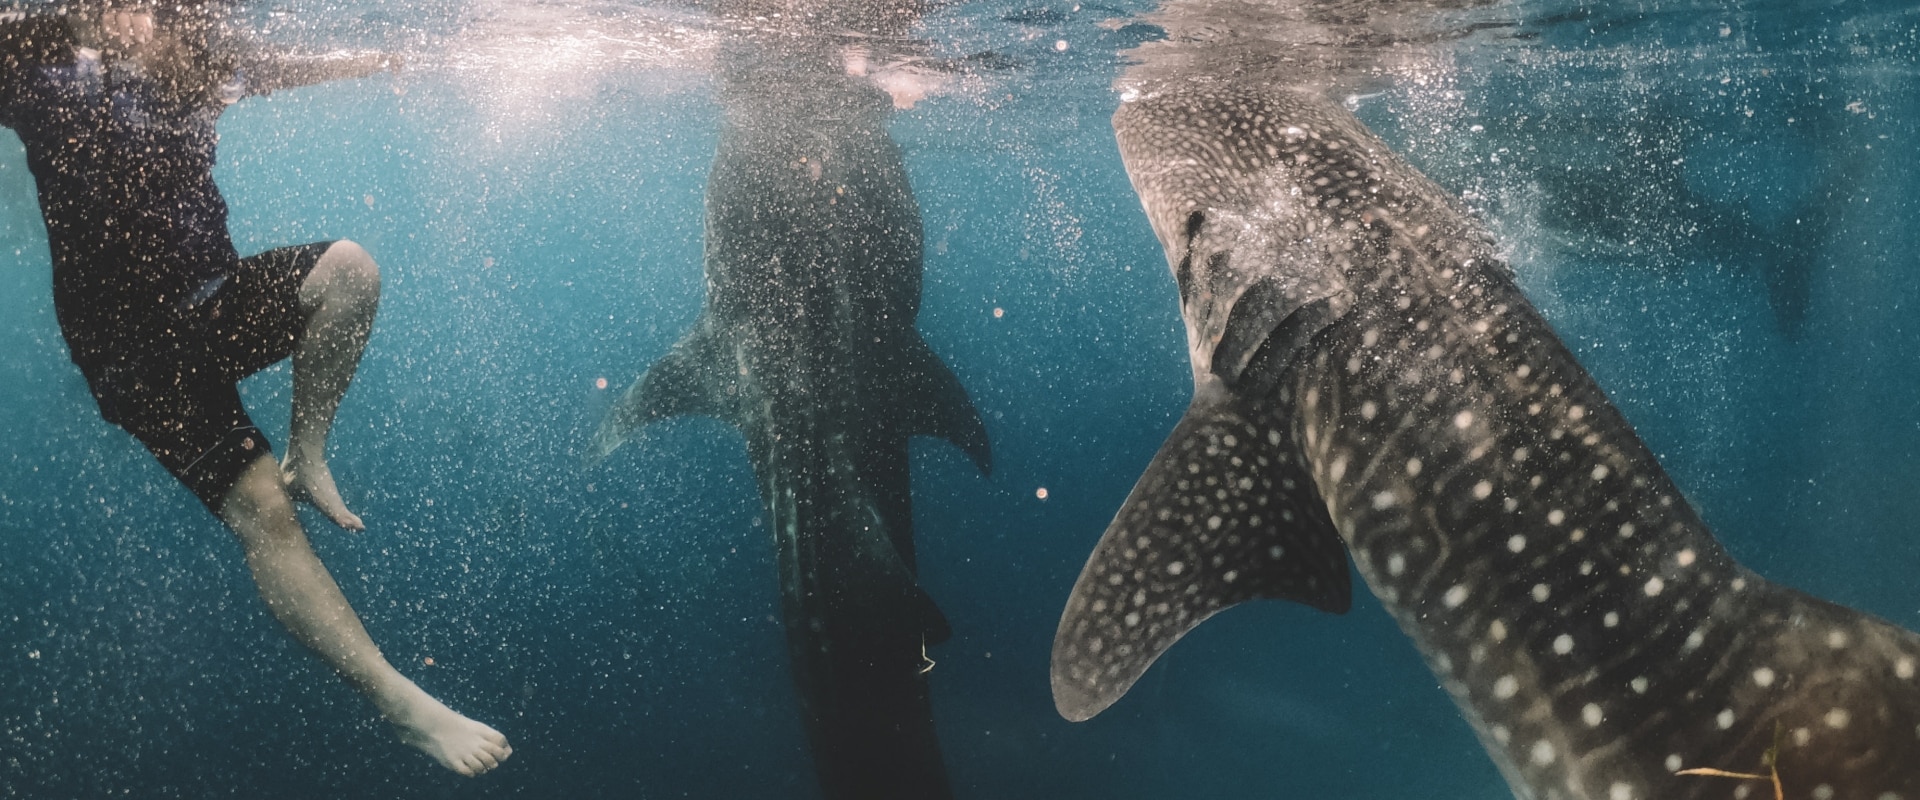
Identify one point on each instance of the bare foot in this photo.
(309, 481)
(459, 744)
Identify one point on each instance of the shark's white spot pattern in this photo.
(1763, 677)
(1563, 644)
(1837, 718)
(1542, 753)
(1454, 596)
(1724, 719)
(1639, 685)
(1463, 420)
(1620, 791)
(1516, 543)
(1413, 467)
(1674, 763)
(1903, 667)
(1592, 715)
(1612, 619)
(1505, 687)
(1655, 586)
(1541, 592)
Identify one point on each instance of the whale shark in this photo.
(807, 343)
(1371, 387)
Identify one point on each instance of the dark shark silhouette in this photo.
(1369, 381)
(807, 344)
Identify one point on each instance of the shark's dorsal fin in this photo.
(934, 403)
(1225, 514)
(698, 377)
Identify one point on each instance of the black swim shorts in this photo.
(179, 396)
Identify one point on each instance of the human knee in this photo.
(257, 506)
(346, 270)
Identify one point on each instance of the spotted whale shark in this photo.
(1371, 385)
(807, 343)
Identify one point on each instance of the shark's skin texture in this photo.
(807, 344)
(1369, 377)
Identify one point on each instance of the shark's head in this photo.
(1237, 184)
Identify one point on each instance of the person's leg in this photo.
(303, 596)
(337, 303)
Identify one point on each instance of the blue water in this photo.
(619, 623)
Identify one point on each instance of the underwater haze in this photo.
(1713, 204)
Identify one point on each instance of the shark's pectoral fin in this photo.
(1225, 514)
(697, 377)
(935, 404)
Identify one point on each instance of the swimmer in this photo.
(115, 102)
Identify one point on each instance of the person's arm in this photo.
(271, 73)
(25, 41)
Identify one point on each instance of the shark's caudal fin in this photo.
(1225, 514)
(697, 377)
(933, 401)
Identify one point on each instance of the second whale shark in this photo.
(807, 344)
(1370, 382)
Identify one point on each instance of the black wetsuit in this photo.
(159, 311)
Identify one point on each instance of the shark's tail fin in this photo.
(695, 378)
(933, 401)
(1225, 514)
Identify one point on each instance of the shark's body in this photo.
(807, 344)
(1370, 380)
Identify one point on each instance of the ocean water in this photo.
(1712, 203)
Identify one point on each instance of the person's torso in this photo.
(124, 165)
